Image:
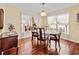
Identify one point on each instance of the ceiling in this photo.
(35, 8)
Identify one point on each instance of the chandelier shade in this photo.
(43, 13)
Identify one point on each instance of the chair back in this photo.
(42, 33)
(35, 32)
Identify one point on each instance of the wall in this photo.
(74, 27)
(12, 15)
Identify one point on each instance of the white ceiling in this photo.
(37, 7)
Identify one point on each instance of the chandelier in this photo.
(43, 13)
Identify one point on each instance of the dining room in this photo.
(51, 23)
(39, 28)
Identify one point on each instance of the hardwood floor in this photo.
(27, 47)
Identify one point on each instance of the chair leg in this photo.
(49, 43)
(59, 44)
(32, 38)
(55, 44)
(44, 42)
(37, 43)
(32, 42)
(40, 42)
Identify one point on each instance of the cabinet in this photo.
(9, 45)
(0, 47)
(1, 18)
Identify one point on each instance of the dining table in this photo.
(51, 32)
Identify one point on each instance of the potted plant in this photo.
(11, 29)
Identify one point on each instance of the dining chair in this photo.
(56, 38)
(34, 33)
(41, 36)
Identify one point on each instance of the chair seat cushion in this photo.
(53, 38)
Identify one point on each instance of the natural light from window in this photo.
(60, 21)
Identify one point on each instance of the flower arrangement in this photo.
(11, 27)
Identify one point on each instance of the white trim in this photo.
(72, 40)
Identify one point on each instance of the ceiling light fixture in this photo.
(43, 13)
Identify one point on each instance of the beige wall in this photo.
(12, 15)
(74, 27)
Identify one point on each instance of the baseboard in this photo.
(24, 38)
(72, 40)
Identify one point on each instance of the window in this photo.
(37, 18)
(52, 22)
(63, 22)
(63, 18)
(26, 23)
(58, 21)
